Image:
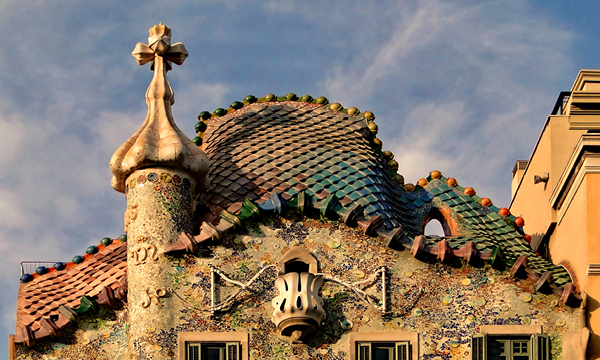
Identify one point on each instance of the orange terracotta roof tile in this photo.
(42, 297)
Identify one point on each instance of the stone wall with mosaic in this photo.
(446, 304)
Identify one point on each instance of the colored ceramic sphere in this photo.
(106, 241)
(26, 278)
(388, 155)
(220, 112)
(422, 182)
(322, 100)
(409, 187)
(200, 126)
(197, 140)
(469, 191)
(270, 97)
(373, 127)
(435, 174)
(336, 107)
(504, 212)
(237, 105)
(205, 115)
(250, 99)
(306, 98)
(519, 221)
(59, 266)
(78, 259)
(123, 238)
(291, 97)
(353, 111)
(92, 250)
(486, 202)
(41, 270)
(399, 179)
(369, 115)
(378, 143)
(393, 165)
(451, 182)
(527, 238)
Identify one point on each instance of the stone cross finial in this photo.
(159, 44)
(159, 142)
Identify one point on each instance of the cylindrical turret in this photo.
(160, 170)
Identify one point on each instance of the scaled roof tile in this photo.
(324, 149)
(482, 225)
(43, 296)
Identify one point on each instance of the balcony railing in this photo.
(28, 267)
(561, 102)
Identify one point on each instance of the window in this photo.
(384, 351)
(213, 346)
(434, 227)
(384, 346)
(439, 223)
(212, 351)
(500, 345)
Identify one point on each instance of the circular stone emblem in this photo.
(526, 297)
(152, 177)
(480, 301)
(166, 178)
(446, 299)
(346, 324)
(176, 179)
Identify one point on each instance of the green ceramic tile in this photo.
(444, 197)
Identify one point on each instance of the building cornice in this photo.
(585, 159)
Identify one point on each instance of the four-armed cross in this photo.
(158, 50)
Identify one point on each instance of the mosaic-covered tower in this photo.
(160, 170)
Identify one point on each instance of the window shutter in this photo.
(541, 347)
(233, 351)
(403, 350)
(479, 347)
(193, 352)
(364, 351)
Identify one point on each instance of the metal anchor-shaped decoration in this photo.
(380, 306)
(226, 304)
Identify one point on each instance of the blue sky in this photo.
(459, 86)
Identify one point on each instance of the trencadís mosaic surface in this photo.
(445, 303)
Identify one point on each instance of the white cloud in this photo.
(464, 87)
(12, 145)
(193, 97)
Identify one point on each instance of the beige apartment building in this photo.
(558, 191)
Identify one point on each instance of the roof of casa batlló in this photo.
(278, 154)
